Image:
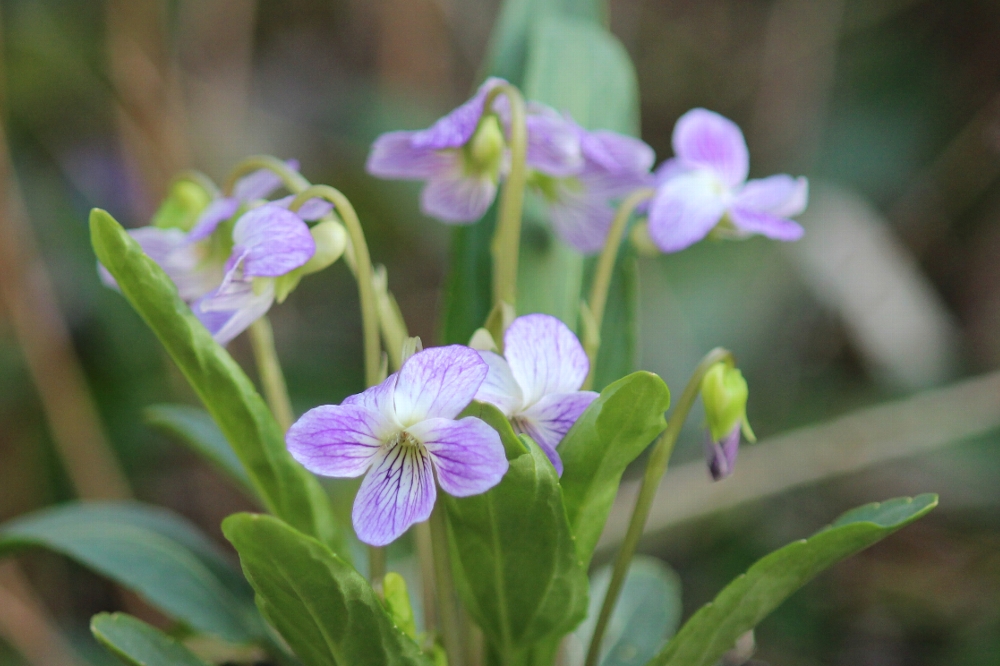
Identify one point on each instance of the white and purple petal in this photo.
(467, 454)
(582, 219)
(214, 214)
(500, 388)
(549, 419)
(457, 198)
(781, 195)
(684, 210)
(705, 139)
(231, 312)
(765, 224)
(260, 184)
(393, 155)
(397, 492)
(544, 356)
(310, 211)
(553, 142)
(335, 440)
(437, 383)
(721, 456)
(616, 152)
(456, 128)
(275, 241)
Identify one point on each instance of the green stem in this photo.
(269, 369)
(602, 276)
(655, 468)
(507, 238)
(363, 272)
(293, 181)
(447, 615)
(376, 567)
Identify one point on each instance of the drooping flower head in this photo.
(724, 392)
(581, 203)
(536, 383)
(704, 189)
(401, 433)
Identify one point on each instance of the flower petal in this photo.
(467, 454)
(335, 440)
(548, 420)
(582, 220)
(721, 456)
(437, 382)
(684, 210)
(553, 142)
(458, 198)
(766, 224)
(276, 241)
(242, 307)
(260, 184)
(378, 400)
(781, 195)
(544, 356)
(157, 243)
(499, 388)
(397, 492)
(394, 156)
(704, 138)
(618, 152)
(456, 128)
(312, 210)
(214, 214)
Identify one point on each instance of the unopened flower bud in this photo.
(180, 209)
(486, 146)
(724, 393)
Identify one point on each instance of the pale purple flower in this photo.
(582, 204)
(705, 188)
(537, 380)
(401, 432)
(721, 454)
(268, 242)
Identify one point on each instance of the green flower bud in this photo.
(180, 209)
(485, 149)
(397, 603)
(331, 241)
(724, 392)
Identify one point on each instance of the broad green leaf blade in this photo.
(195, 428)
(152, 552)
(614, 430)
(287, 489)
(514, 561)
(512, 444)
(750, 598)
(647, 613)
(138, 644)
(468, 287)
(322, 607)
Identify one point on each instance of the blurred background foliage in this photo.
(891, 107)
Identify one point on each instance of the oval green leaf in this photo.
(138, 644)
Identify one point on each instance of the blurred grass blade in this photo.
(746, 601)
(287, 489)
(619, 352)
(614, 430)
(195, 428)
(648, 612)
(152, 552)
(322, 607)
(138, 644)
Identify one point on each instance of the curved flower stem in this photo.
(269, 369)
(655, 469)
(363, 271)
(602, 276)
(507, 238)
(292, 180)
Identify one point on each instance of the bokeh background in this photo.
(883, 324)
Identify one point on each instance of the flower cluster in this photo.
(406, 430)
(232, 256)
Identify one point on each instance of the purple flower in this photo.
(401, 432)
(582, 204)
(721, 454)
(537, 380)
(705, 188)
(268, 242)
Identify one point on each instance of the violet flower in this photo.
(704, 189)
(537, 380)
(401, 432)
(724, 393)
(268, 242)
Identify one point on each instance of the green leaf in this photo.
(647, 613)
(620, 328)
(512, 444)
(151, 551)
(287, 489)
(321, 606)
(468, 290)
(195, 428)
(514, 561)
(138, 644)
(614, 430)
(750, 598)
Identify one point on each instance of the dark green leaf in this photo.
(647, 613)
(750, 598)
(195, 428)
(138, 644)
(285, 487)
(150, 551)
(614, 430)
(468, 288)
(512, 444)
(322, 607)
(514, 561)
